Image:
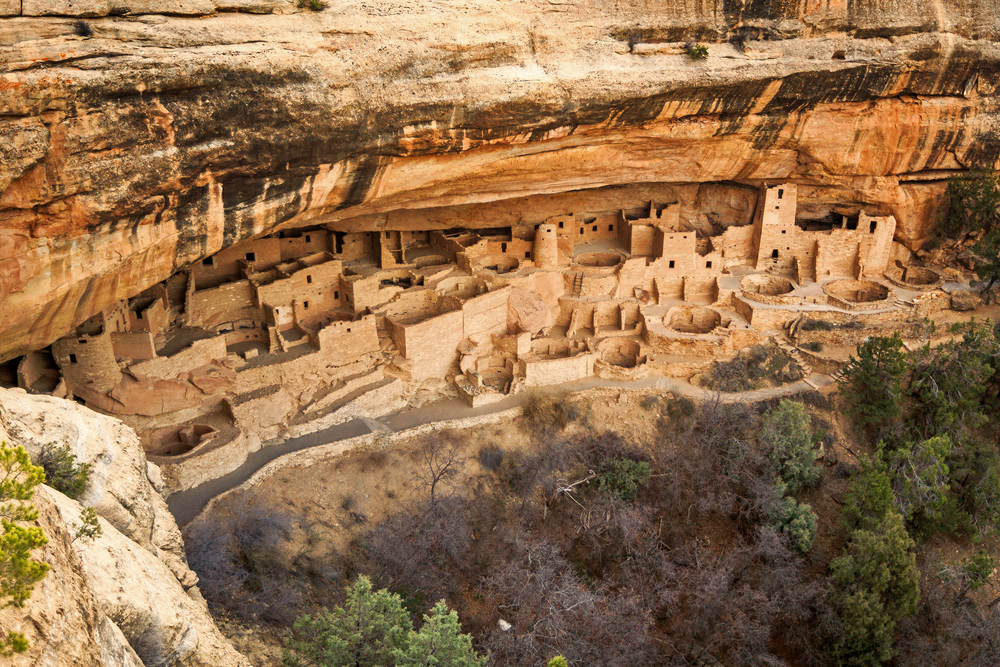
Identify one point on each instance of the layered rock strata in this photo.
(138, 143)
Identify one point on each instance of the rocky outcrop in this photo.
(138, 143)
(63, 620)
(126, 599)
(162, 623)
(123, 488)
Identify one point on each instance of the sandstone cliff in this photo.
(160, 138)
(126, 599)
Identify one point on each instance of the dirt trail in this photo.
(186, 505)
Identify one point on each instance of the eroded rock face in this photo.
(120, 486)
(126, 599)
(159, 140)
(163, 624)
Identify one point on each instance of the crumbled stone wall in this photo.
(136, 345)
(226, 303)
(199, 353)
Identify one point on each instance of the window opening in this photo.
(708, 265)
(208, 261)
(871, 229)
(251, 257)
(780, 193)
(72, 358)
(774, 254)
(671, 264)
(309, 279)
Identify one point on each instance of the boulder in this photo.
(963, 301)
(526, 312)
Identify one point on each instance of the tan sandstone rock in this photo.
(140, 595)
(120, 489)
(117, 174)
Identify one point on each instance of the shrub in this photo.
(695, 51)
(872, 380)
(623, 477)
(243, 561)
(812, 346)
(544, 413)
(680, 406)
(816, 325)
(797, 521)
(62, 472)
(491, 457)
(312, 5)
(82, 29)
(789, 440)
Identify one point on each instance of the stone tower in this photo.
(546, 249)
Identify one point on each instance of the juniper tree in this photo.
(18, 571)
(439, 643)
(872, 380)
(365, 632)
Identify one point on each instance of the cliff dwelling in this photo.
(306, 327)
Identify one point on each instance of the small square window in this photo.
(560, 224)
(305, 304)
(708, 265)
(72, 358)
(251, 257)
(774, 254)
(527, 255)
(784, 231)
(611, 228)
(776, 207)
(348, 329)
(671, 264)
(208, 261)
(595, 228)
(308, 239)
(309, 279)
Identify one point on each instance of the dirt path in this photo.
(186, 505)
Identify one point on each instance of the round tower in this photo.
(546, 249)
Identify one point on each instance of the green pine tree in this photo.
(365, 632)
(872, 380)
(439, 643)
(787, 434)
(18, 571)
(869, 498)
(876, 585)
